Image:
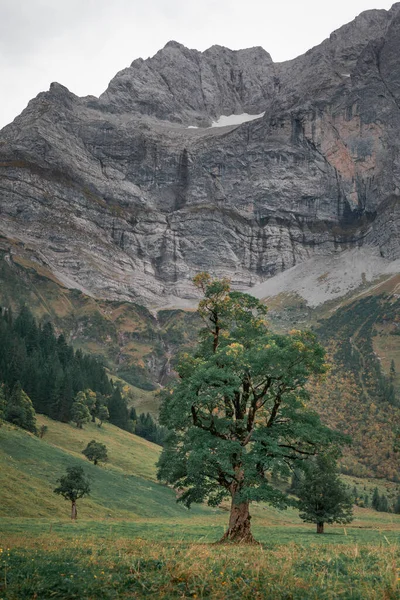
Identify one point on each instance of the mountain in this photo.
(127, 196)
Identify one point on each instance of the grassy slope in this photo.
(132, 540)
(123, 488)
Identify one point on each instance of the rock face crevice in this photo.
(128, 195)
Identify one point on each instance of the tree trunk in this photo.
(239, 530)
(320, 528)
(74, 512)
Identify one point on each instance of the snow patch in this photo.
(226, 120)
(192, 127)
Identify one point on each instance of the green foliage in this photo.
(95, 452)
(118, 410)
(355, 327)
(19, 409)
(383, 504)
(148, 429)
(80, 414)
(74, 485)
(47, 368)
(43, 430)
(239, 409)
(103, 414)
(375, 499)
(323, 498)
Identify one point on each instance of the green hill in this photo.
(123, 488)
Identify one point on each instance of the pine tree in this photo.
(375, 499)
(383, 505)
(118, 410)
(396, 508)
(323, 498)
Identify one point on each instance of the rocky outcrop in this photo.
(128, 195)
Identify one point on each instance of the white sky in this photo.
(83, 43)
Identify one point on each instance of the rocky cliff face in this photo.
(128, 195)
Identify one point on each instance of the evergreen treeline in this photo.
(147, 428)
(48, 369)
(40, 372)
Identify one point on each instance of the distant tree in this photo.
(323, 498)
(88, 397)
(19, 409)
(102, 414)
(355, 495)
(74, 485)
(375, 499)
(95, 452)
(80, 414)
(366, 500)
(396, 508)
(43, 430)
(383, 505)
(147, 428)
(117, 407)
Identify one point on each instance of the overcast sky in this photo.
(83, 43)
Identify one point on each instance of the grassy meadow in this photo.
(132, 540)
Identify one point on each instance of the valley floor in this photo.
(132, 540)
(170, 558)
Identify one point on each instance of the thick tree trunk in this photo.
(239, 530)
(74, 512)
(320, 528)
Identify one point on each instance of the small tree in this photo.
(74, 485)
(396, 508)
(96, 452)
(80, 414)
(375, 499)
(383, 505)
(19, 409)
(102, 414)
(323, 498)
(43, 430)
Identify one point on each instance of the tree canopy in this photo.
(238, 410)
(96, 452)
(72, 486)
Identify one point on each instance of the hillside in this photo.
(123, 488)
(360, 331)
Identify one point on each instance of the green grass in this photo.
(132, 540)
(131, 560)
(124, 488)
